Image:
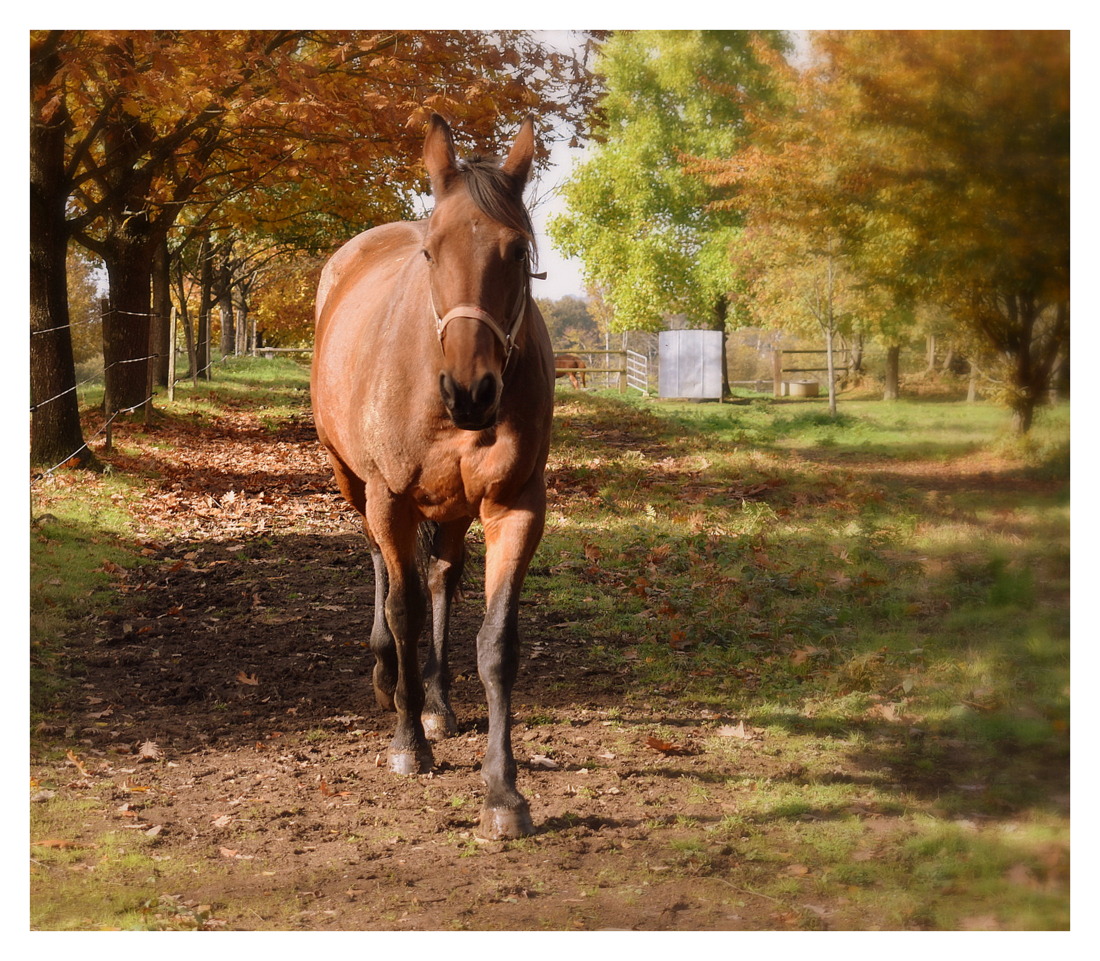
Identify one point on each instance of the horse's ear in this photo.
(518, 162)
(439, 155)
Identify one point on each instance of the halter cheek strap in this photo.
(506, 338)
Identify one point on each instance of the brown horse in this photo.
(433, 385)
(572, 365)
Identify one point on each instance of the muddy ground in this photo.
(225, 706)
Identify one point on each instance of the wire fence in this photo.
(110, 415)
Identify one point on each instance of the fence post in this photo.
(777, 372)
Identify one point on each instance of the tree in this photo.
(162, 127)
(284, 302)
(570, 324)
(796, 257)
(983, 219)
(646, 231)
(56, 436)
(959, 162)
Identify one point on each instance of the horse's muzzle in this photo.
(474, 407)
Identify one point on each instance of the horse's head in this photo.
(477, 251)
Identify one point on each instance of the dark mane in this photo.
(493, 192)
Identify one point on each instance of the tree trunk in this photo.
(893, 364)
(829, 334)
(162, 310)
(128, 254)
(721, 311)
(241, 315)
(202, 345)
(188, 328)
(56, 437)
(224, 287)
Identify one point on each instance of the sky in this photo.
(563, 276)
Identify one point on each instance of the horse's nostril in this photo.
(485, 391)
(447, 390)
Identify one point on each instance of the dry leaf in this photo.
(679, 641)
(541, 760)
(150, 751)
(77, 763)
(738, 731)
(664, 747)
(222, 822)
(243, 678)
(129, 785)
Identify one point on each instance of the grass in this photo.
(884, 597)
(889, 590)
(829, 580)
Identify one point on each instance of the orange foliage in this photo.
(284, 299)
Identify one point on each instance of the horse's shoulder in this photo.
(379, 241)
(381, 244)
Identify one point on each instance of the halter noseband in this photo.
(507, 339)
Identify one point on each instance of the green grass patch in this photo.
(882, 600)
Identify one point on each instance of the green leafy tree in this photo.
(645, 229)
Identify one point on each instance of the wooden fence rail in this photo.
(778, 370)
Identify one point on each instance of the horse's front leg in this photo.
(511, 537)
(394, 531)
(444, 575)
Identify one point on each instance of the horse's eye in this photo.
(427, 256)
(520, 254)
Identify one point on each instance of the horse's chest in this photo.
(451, 480)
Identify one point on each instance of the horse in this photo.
(572, 365)
(433, 389)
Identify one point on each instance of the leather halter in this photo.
(472, 312)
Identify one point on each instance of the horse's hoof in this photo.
(439, 726)
(502, 824)
(410, 762)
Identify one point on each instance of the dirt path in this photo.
(225, 712)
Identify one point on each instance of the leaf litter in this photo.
(236, 667)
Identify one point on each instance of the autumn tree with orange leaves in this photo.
(137, 135)
(919, 168)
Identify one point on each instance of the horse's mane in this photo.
(493, 191)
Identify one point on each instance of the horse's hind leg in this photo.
(448, 556)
